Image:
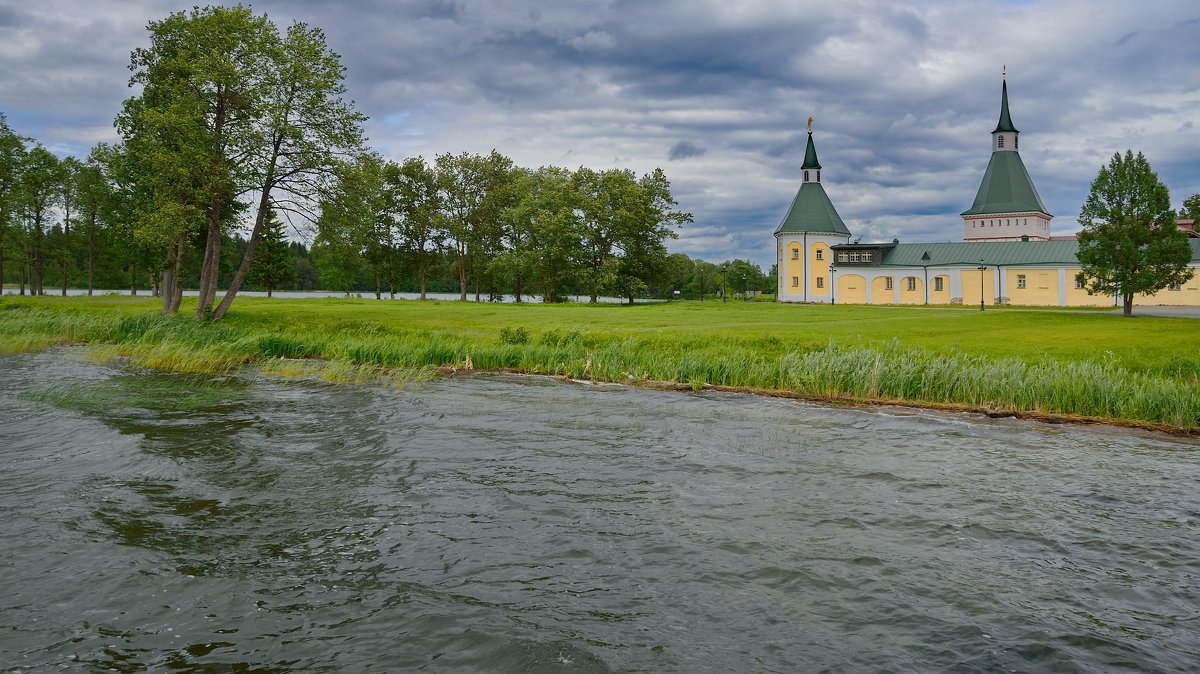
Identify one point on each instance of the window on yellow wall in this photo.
(1020, 281)
(795, 253)
(910, 283)
(820, 254)
(1078, 283)
(820, 281)
(887, 283)
(795, 281)
(937, 283)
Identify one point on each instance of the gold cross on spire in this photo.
(810, 125)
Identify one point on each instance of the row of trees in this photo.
(543, 231)
(239, 126)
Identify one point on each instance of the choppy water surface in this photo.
(516, 524)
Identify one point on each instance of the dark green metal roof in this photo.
(1006, 253)
(1005, 123)
(1033, 253)
(1006, 187)
(812, 211)
(810, 155)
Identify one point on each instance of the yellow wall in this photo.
(936, 297)
(1041, 286)
(879, 292)
(970, 286)
(851, 289)
(1188, 294)
(1079, 297)
(818, 268)
(792, 268)
(907, 296)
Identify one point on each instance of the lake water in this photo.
(498, 523)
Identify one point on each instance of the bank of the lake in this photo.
(1070, 365)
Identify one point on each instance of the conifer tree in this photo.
(272, 266)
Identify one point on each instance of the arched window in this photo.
(1016, 142)
(818, 176)
(1000, 140)
(806, 176)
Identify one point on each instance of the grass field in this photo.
(1088, 364)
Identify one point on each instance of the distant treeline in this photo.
(242, 130)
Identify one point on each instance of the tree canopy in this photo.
(1130, 244)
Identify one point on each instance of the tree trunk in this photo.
(1128, 305)
(517, 288)
(92, 255)
(211, 266)
(421, 270)
(264, 205)
(462, 277)
(268, 292)
(172, 286)
(133, 278)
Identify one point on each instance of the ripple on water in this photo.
(513, 524)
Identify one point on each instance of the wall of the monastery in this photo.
(1188, 294)
(804, 266)
(1038, 286)
(818, 276)
(791, 270)
(972, 292)
(1006, 227)
(939, 296)
(851, 288)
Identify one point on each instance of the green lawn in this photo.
(918, 354)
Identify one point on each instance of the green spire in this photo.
(810, 154)
(1005, 123)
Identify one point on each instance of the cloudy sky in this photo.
(716, 92)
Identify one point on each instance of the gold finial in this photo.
(810, 126)
(1004, 73)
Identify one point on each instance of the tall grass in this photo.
(357, 351)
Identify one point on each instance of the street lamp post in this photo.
(832, 285)
(982, 268)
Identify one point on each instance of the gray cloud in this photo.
(904, 97)
(684, 149)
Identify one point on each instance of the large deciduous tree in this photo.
(12, 154)
(1129, 243)
(39, 191)
(231, 110)
(412, 187)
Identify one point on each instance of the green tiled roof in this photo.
(1006, 187)
(1005, 123)
(991, 252)
(812, 211)
(1006, 253)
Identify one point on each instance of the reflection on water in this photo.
(154, 522)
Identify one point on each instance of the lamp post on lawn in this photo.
(982, 268)
(832, 285)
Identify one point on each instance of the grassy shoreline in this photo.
(1081, 367)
